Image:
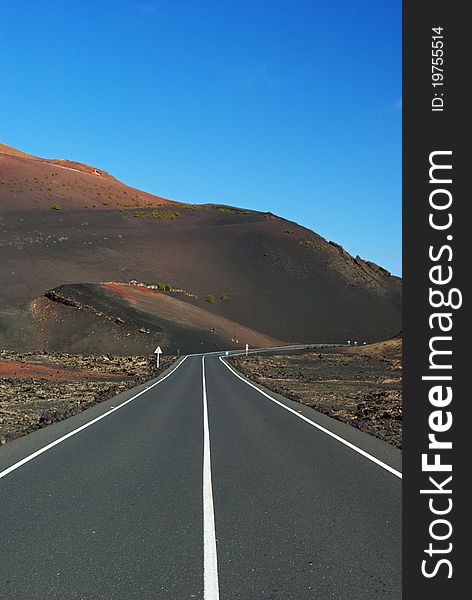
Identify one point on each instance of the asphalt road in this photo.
(200, 487)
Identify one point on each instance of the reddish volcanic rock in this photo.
(21, 370)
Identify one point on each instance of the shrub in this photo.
(230, 209)
(224, 297)
(55, 207)
(210, 298)
(164, 213)
(163, 287)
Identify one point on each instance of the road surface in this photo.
(198, 485)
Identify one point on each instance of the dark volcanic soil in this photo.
(359, 386)
(60, 225)
(120, 319)
(39, 389)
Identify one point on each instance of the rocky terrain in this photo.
(37, 389)
(360, 386)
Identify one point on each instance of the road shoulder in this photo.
(20, 448)
(378, 448)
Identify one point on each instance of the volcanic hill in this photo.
(72, 238)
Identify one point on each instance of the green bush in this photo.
(224, 297)
(163, 287)
(164, 213)
(210, 298)
(55, 207)
(230, 209)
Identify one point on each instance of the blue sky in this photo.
(292, 106)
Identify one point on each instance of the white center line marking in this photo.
(210, 558)
(71, 433)
(323, 429)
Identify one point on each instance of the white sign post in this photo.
(247, 349)
(157, 352)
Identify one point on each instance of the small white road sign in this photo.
(157, 352)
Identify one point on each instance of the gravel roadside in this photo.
(37, 389)
(358, 387)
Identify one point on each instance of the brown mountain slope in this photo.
(275, 277)
(121, 319)
(31, 183)
(63, 163)
(9, 150)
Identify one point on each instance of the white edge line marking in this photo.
(71, 433)
(320, 427)
(210, 557)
